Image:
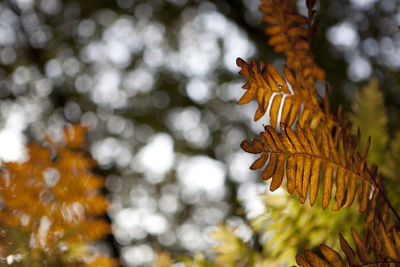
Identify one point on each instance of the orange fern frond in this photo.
(54, 196)
(266, 85)
(87, 230)
(293, 96)
(312, 146)
(284, 97)
(292, 34)
(290, 101)
(74, 135)
(308, 157)
(384, 245)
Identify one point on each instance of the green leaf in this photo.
(369, 114)
(391, 170)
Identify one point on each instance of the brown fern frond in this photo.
(293, 96)
(270, 89)
(292, 34)
(284, 97)
(317, 149)
(74, 136)
(309, 157)
(54, 197)
(377, 248)
(87, 230)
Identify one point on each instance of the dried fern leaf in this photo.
(362, 251)
(332, 256)
(384, 248)
(293, 96)
(62, 193)
(309, 156)
(290, 33)
(302, 262)
(281, 95)
(314, 260)
(389, 246)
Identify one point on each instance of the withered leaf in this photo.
(332, 256)
(255, 147)
(259, 162)
(270, 169)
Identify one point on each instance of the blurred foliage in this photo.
(370, 116)
(163, 259)
(282, 231)
(52, 207)
(231, 250)
(288, 227)
(391, 170)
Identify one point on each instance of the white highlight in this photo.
(343, 35)
(202, 173)
(157, 156)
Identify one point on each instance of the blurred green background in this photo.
(157, 83)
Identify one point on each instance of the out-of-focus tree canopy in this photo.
(156, 82)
